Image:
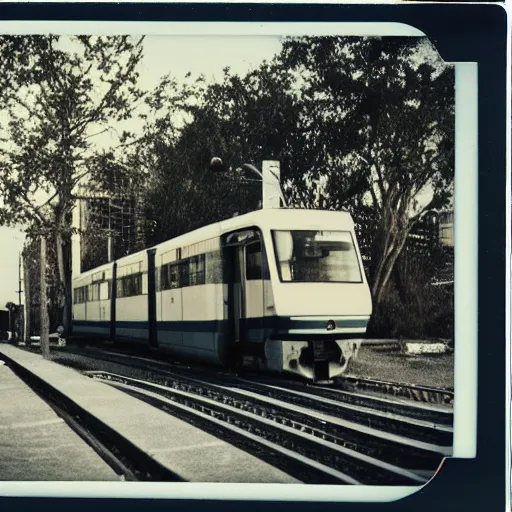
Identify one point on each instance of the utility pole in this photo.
(27, 312)
(20, 315)
(45, 321)
(110, 247)
(20, 291)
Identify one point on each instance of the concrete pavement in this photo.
(36, 444)
(190, 453)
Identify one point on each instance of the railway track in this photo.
(352, 440)
(430, 424)
(311, 447)
(424, 394)
(434, 403)
(437, 415)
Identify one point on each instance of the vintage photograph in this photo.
(226, 259)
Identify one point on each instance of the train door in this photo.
(174, 304)
(246, 292)
(239, 294)
(171, 304)
(253, 295)
(168, 306)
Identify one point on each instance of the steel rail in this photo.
(438, 415)
(370, 464)
(425, 394)
(419, 430)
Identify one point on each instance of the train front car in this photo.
(316, 300)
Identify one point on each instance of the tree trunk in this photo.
(68, 297)
(391, 241)
(43, 308)
(401, 275)
(63, 270)
(26, 285)
(61, 276)
(388, 266)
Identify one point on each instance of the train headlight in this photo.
(331, 325)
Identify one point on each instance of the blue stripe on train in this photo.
(178, 325)
(275, 324)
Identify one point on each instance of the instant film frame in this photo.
(473, 36)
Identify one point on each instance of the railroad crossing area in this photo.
(37, 444)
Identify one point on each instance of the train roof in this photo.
(264, 219)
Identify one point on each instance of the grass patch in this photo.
(434, 370)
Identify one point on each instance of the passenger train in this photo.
(278, 290)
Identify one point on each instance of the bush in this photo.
(428, 313)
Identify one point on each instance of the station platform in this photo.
(36, 444)
(188, 452)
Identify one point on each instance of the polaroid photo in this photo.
(236, 258)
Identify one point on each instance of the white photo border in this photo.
(466, 267)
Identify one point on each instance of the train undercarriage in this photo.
(317, 360)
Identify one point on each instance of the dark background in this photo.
(460, 32)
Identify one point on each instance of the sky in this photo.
(176, 55)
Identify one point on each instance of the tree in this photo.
(34, 299)
(44, 326)
(364, 124)
(381, 112)
(168, 166)
(59, 94)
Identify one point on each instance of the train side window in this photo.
(135, 285)
(126, 286)
(164, 277)
(94, 292)
(174, 276)
(170, 276)
(185, 273)
(129, 286)
(197, 270)
(81, 294)
(253, 268)
(201, 269)
(192, 266)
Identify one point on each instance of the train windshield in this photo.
(316, 256)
